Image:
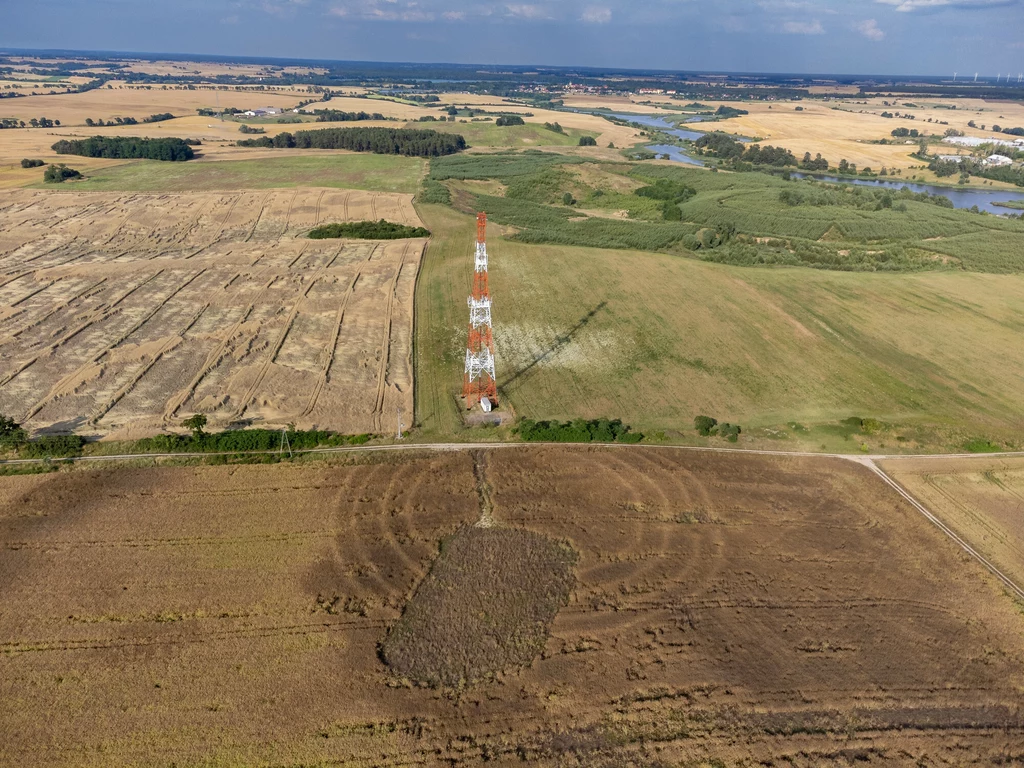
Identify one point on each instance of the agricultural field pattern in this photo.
(124, 312)
(724, 610)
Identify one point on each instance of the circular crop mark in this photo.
(486, 606)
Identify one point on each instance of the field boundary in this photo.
(1007, 582)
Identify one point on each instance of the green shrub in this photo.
(11, 433)
(505, 120)
(588, 141)
(58, 174)
(704, 424)
(28, 163)
(58, 446)
(982, 446)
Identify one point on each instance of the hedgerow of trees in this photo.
(368, 230)
(577, 431)
(505, 120)
(29, 163)
(170, 149)
(382, 141)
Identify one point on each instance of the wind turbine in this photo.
(954, 77)
(975, 77)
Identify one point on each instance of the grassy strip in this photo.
(372, 173)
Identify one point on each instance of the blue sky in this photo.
(855, 36)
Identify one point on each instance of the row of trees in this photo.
(577, 431)
(35, 122)
(382, 141)
(339, 116)
(171, 149)
(509, 120)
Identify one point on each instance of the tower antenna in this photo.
(479, 383)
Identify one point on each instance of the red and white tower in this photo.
(479, 384)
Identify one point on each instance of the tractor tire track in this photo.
(175, 403)
(66, 380)
(139, 375)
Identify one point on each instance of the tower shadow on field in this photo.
(560, 341)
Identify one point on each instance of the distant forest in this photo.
(382, 141)
(126, 147)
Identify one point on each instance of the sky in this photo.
(907, 37)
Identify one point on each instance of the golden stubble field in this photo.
(123, 313)
(982, 499)
(749, 610)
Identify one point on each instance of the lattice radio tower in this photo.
(479, 384)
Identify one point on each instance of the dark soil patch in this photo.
(485, 607)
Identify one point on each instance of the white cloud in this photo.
(596, 15)
(381, 10)
(907, 6)
(869, 28)
(803, 28)
(527, 11)
(232, 19)
(454, 15)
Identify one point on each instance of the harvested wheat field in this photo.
(723, 610)
(124, 313)
(982, 499)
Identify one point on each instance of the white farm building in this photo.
(997, 160)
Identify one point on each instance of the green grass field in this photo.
(655, 339)
(487, 134)
(374, 173)
(734, 218)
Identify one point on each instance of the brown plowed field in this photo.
(982, 499)
(124, 313)
(748, 610)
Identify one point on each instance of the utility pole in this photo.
(285, 443)
(400, 425)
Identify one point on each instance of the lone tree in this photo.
(196, 423)
(11, 433)
(588, 141)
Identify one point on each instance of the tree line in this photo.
(382, 141)
(368, 230)
(722, 145)
(338, 116)
(171, 149)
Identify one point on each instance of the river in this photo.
(961, 198)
